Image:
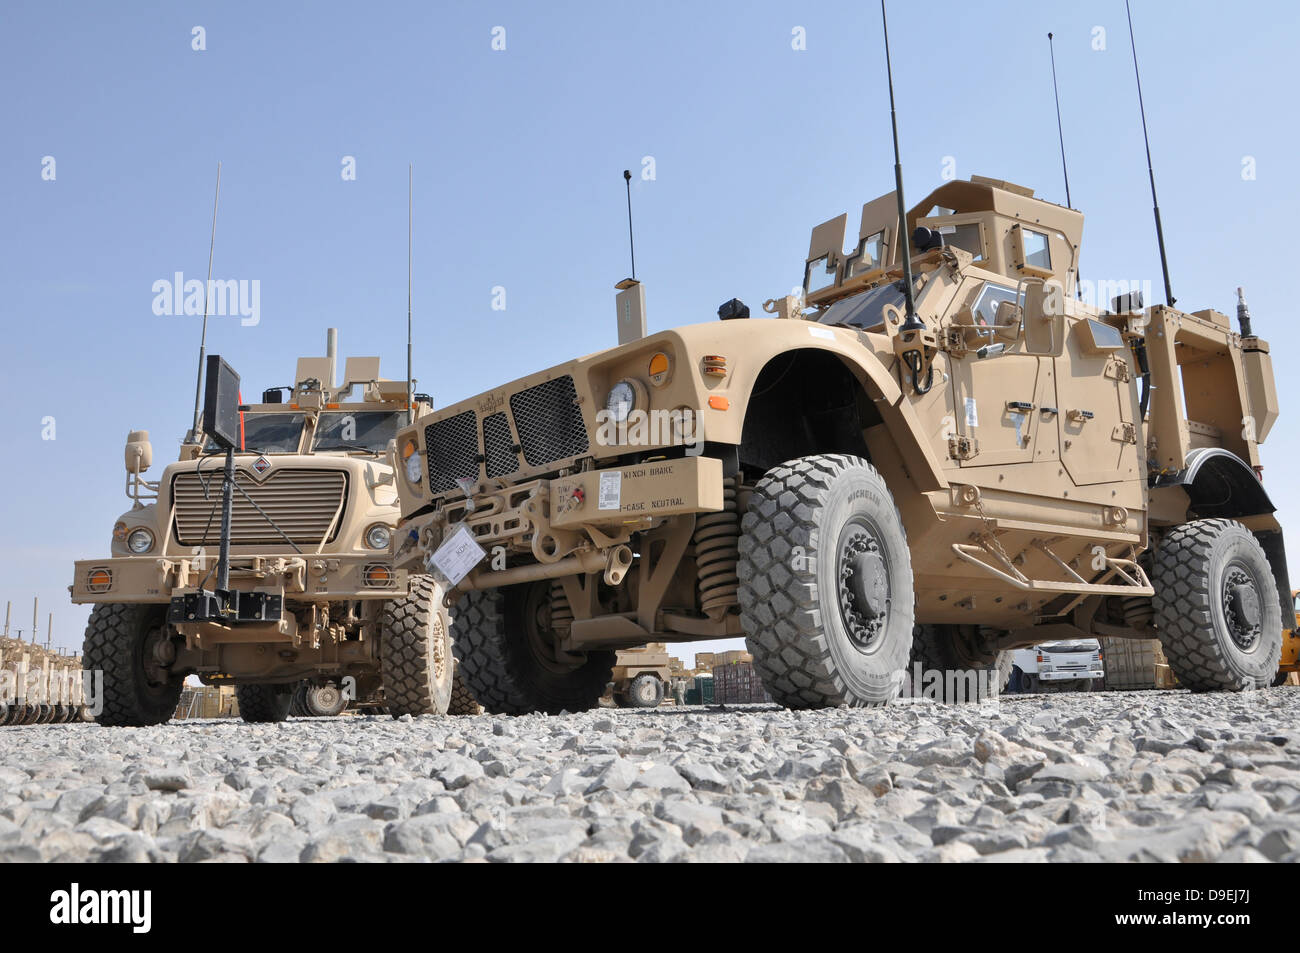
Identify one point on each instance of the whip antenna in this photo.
(1065, 171)
(203, 339)
(410, 242)
(627, 179)
(1160, 232)
(912, 323)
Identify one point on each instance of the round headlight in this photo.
(379, 536)
(621, 400)
(139, 541)
(415, 472)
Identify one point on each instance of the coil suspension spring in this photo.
(717, 550)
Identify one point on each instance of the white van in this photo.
(1074, 665)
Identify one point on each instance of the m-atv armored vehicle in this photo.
(314, 506)
(869, 500)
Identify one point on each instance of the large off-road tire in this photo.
(955, 667)
(463, 701)
(507, 653)
(323, 701)
(415, 651)
(120, 641)
(826, 584)
(263, 704)
(1217, 609)
(297, 705)
(644, 691)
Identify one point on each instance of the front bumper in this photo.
(593, 510)
(1057, 675)
(302, 579)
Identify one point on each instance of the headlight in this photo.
(139, 541)
(379, 536)
(621, 400)
(411, 462)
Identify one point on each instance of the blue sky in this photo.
(518, 157)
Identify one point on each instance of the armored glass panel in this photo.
(1037, 254)
(358, 430)
(269, 433)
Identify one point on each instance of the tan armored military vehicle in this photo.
(868, 500)
(640, 676)
(316, 594)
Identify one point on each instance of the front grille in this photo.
(452, 451)
(549, 422)
(498, 447)
(302, 503)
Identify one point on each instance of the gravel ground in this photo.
(1158, 776)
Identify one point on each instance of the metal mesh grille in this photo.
(452, 451)
(498, 446)
(302, 503)
(549, 421)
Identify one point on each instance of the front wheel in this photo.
(130, 646)
(415, 651)
(1218, 614)
(826, 584)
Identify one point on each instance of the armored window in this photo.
(1037, 253)
(818, 274)
(966, 237)
(870, 254)
(351, 430)
(269, 433)
(986, 304)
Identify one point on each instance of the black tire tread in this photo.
(406, 653)
(1184, 617)
(109, 648)
(263, 704)
(781, 611)
(496, 667)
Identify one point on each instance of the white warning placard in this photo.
(611, 490)
(458, 554)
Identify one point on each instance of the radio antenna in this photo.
(1065, 171)
(914, 358)
(912, 323)
(410, 243)
(1160, 233)
(627, 179)
(1059, 131)
(203, 339)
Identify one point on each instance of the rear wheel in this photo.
(263, 704)
(130, 645)
(509, 654)
(826, 584)
(955, 665)
(323, 701)
(645, 691)
(415, 651)
(463, 701)
(1217, 609)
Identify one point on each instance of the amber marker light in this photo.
(658, 369)
(99, 580)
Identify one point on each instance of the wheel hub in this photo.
(864, 587)
(1241, 608)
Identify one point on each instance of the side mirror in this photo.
(1044, 318)
(139, 452)
(1006, 322)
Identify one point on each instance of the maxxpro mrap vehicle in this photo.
(857, 490)
(313, 512)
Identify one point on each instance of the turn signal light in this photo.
(99, 580)
(718, 402)
(715, 365)
(377, 576)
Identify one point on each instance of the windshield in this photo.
(1073, 645)
(864, 311)
(358, 429)
(269, 433)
